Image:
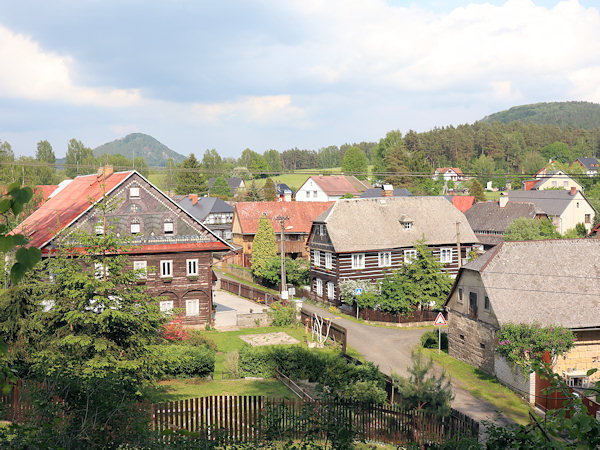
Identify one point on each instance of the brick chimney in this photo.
(502, 201)
(388, 190)
(573, 190)
(194, 198)
(105, 171)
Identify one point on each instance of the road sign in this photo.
(439, 320)
(358, 291)
(292, 291)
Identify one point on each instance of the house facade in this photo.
(330, 188)
(363, 239)
(173, 247)
(551, 282)
(591, 166)
(554, 179)
(448, 174)
(284, 192)
(213, 212)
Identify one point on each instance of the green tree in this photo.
(525, 229)
(259, 167)
(169, 182)
(273, 159)
(484, 167)
(221, 189)
(7, 170)
(79, 159)
(476, 190)
(254, 193)
(212, 163)
(264, 247)
(424, 391)
(557, 151)
(355, 163)
(269, 191)
(44, 154)
(189, 178)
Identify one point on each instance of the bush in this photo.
(282, 315)
(184, 360)
(197, 338)
(430, 340)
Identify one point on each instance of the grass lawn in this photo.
(492, 195)
(483, 386)
(249, 283)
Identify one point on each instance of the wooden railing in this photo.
(293, 386)
(418, 315)
(252, 293)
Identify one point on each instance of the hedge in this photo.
(430, 340)
(184, 360)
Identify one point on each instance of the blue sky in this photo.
(282, 74)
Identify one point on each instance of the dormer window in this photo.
(168, 226)
(134, 192)
(406, 222)
(135, 226)
(407, 226)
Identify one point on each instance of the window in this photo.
(462, 337)
(486, 303)
(307, 194)
(460, 295)
(328, 261)
(317, 258)
(330, 290)
(135, 227)
(446, 255)
(166, 269)
(192, 267)
(565, 183)
(358, 261)
(578, 204)
(321, 230)
(168, 226)
(482, 345)
(319, 287)
(407, 225)
(166, 306)
(385, 259)
(99, 228)
(588, 218)
(554, 184)
(100, 271)
(142, 267)
(228, 235)
(409, 256)
(473, 304)
(192, 307)
(134, 192)
(314, 194)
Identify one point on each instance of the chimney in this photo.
(388, 190)
(106, 171)
(502, 201)
(573, 190)
(194, 198)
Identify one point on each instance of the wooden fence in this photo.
(252, 293)
(292, 385)
(419, 315)
(337, 333)
(254, 418)
(16, 405)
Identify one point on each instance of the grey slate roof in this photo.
(283, 188)
(589, 163)
(488, 216)
(377, 192)
(204, 206)
(552, 202)
(370, 224)
(551, 281)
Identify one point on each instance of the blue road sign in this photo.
(357, 291)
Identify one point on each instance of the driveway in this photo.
(228, 306)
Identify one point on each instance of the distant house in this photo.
(591, 165)
(387, 190)
(235, 184)
(300, 216)
(213, 212)
(551, 282)
(490, 220)
(565, 208)
(330, 187)
(284, 192)
(363, 239)
(448, 174)
(461, 202)
(172, 245)
(553, 179)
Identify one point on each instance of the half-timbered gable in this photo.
(363, 239)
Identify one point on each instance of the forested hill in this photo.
(574, 114)
(140, 145)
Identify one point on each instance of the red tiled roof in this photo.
(45, 190)
(339, 184)
(463, 202)
(543, 169)
(72, 201)
(456, 170)
(529, 184)
(167, 248)
(301, 215)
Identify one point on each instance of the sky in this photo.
(280, 74)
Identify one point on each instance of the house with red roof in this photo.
(173, 247)
(297, 226)
(461, 202)
(330, 188)
(449, 173)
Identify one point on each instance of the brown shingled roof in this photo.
(341, 184)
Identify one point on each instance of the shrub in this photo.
(184, 360)
(197, 338)
(174, 331)
(365, 392)
(282, 315)
(232, 364)
(430, 340)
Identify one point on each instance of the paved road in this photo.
(228, 305)
(390, 348)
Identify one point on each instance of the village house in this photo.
(553, 179)
(363, 239)
(387, 190)
(490, 220)
(299, 217)
(591, 165)
(173, 247)
(330, 188)
(284, 192)
(564, 208)
(213, 212)
(449, 174)
(550, 282)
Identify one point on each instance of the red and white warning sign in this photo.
(439, 320)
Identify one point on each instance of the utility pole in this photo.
(458, 244)
(281, 220)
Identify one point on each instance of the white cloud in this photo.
(585, 84)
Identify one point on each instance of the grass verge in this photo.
(484, 386)
(249, 283)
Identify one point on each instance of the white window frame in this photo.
(307, 194)
(319, 287)
(446, 255)
(314, 194)
(316, 258)
(135, 228)
(166, 264)
(321, 230)
(141, 265)
(134, 192)
(358, 261)
(166, 306)
(407, 226)
(191, 267)
(385, 259)
(328, 261)
(168, 227)
(99, 229)
(330, 290)
(410, 256)
(192, 307)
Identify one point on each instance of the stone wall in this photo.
(584, 356)
(513, 377)
(471, 341)
(253, 320)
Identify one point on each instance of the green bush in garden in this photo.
(430, 340)
(184, 360)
